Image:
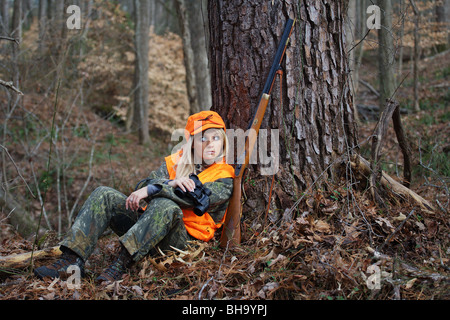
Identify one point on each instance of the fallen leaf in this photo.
(420, 225)
(76, 295)
(400, 217)
(277, 259)
(381, 221)
(410, 283)
(138, 290)
(322, 226)
(50, 296)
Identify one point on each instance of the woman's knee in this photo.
(164, 205)
(102, 190)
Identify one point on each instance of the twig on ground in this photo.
(400, 226)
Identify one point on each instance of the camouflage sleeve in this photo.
(168, 192)
(221, 191)
(160, 175)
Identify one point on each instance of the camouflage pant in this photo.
(160, 225)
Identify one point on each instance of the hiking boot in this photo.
(117, 269)
(59, 268)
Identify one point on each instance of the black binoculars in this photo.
(200, 195)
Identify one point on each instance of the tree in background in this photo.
(386, 53)
(193, 20)
(141, 82)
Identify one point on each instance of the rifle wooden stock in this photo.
(231, 234)
(231, 227)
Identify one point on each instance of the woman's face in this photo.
(208, 145)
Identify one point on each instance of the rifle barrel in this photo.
(278, 56)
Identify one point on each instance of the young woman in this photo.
(169, 218)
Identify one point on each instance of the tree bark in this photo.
(314, 113)
(4, 22)
(16, 31)
(141, 83)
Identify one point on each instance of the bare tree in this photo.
(42, 18)
(198, 17)
(416, 55)
(4, 17)
(353, 47)
(141, 80)
(193, 18)
(16, 31)
(189, 60)
(386, 53)
(442, 16)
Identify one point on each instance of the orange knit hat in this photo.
(203, 120)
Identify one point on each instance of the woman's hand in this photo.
(133, 200)
(183, 183)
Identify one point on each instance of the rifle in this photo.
(231, 233)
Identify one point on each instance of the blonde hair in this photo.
(186, 165)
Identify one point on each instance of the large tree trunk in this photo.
(316, 122)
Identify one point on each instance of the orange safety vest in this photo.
(203, 227)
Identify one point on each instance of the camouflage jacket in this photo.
(221, 191)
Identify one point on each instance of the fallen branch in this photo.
(389, 238)
(10, 39)
(366, 84)
(10, 85)
(363, 166)
(22, 260)
(417, 273)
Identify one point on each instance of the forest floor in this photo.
(340, 246)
